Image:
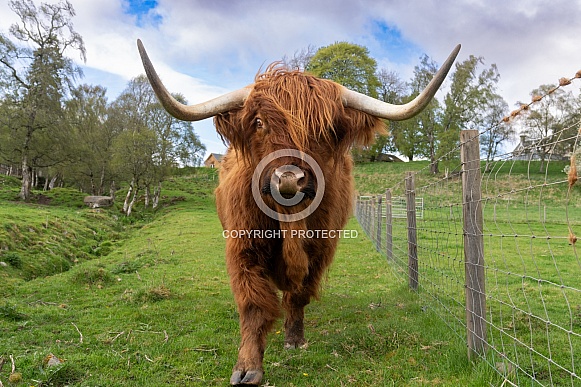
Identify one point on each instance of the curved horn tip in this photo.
(455, 51)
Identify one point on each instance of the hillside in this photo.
(157, 309)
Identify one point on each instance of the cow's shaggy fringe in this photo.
(300, 110)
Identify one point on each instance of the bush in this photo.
(9, 312)
(153, 294)
(92, 275)
(127, 267)
(13, 259)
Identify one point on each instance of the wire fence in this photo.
(494, 253)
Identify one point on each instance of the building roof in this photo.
(217, 156)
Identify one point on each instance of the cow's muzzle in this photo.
(287, 180)
(288, 185)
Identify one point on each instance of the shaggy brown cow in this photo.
(285, 189)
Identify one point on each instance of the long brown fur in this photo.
(301, 112)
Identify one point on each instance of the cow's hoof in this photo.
(296, 344)
(253, 378)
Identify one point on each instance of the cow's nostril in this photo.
(301, 181)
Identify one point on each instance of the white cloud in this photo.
(204, 48)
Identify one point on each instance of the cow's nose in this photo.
(289, 178)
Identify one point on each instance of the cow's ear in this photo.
(229, 127)
(358, 128)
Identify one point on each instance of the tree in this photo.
(134, 147)
(91, 149)
(300, 59)
(420, 134)
(546, 118)
(351, 66)
(190, 149)
(471, 103)
(347, 64)
(150, 142)
(38, 75)
(392, 90)
(496, 131)
(176, 142)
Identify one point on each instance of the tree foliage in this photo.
(547, 118)
(70, 134)
(38, 76)
(347, 64)
(469, 104)
(87, 113)
(150, 142)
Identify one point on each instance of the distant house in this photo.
(214, 160)
(533, 149)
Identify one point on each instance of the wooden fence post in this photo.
(388, 225)
(410, 191)
(378, 223)
(473, 243)
(372, 218)
(368, 217)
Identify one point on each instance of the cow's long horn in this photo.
(197, 112)
(388, 111)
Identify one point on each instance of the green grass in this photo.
(173, 321)
(532, 269)
(157, 309)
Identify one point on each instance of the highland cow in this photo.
(286, 189)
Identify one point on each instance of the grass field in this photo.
(148, 304)
(533, 270)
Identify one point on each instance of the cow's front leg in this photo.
(259, 307)
(294, 328)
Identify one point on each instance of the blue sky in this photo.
(141, 9)
(203, 48)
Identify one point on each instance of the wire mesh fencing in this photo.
(494, 253)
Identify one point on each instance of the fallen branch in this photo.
(77, 328)
(205, 350)
(116, 337)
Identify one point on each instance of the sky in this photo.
(204, 48)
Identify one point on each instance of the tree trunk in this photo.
(53, 181)
(433, 162)
(112, 190)
(93, 186)
(129, 191)
(130, 208)
(543, 156)
(156, 195)
(25, 187)
(33, 178)
(434, 167)
(102, 180)
(147, 195)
